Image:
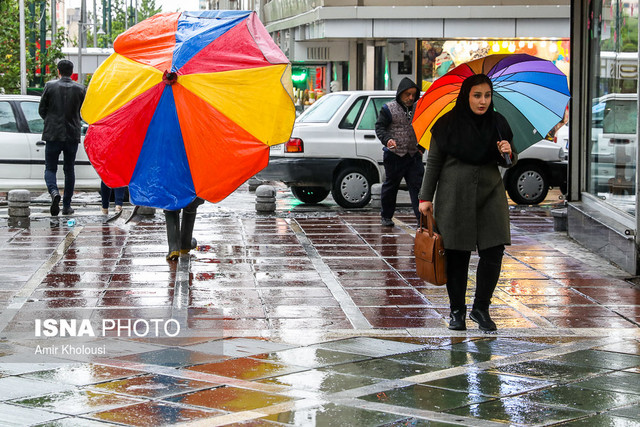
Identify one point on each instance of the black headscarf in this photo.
(470, 137)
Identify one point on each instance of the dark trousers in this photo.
(395, 168)
(105, 193)
(487, 276)
(51, 155)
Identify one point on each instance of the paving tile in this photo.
(246, 368)
(373, 347)
(517, 411)
(333, 415)
(382, 368)
(12, 415)
(550, 370)
(76, 402)
(582, 398)
(489, 384)
(603, 420)
(154, 414)
(229, 398)
(624, 382)
(73, 422)
(428, 398)
(17, 387)
(84, 374)
(320, 381)
(632, 412)
(175, 357)
(600, 359)
(498, 346)
(310, 357)
(152, 386)
(442, 358)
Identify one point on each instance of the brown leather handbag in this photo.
(429, 251)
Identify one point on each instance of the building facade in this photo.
(373, 44)
(603, 183)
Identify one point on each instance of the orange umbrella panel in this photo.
(187, 106)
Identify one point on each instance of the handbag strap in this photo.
(431, 223)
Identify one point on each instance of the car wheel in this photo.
(527, 184)
(311, 195)
(352, 188)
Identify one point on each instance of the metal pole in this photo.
(109, 15)
(23, 52)
(54, 24)
(81, 22)
(104, 21)
(95, 24)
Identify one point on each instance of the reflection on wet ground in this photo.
(308, 318)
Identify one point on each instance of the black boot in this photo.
(457, 321)
(172, 219)
(187, 242)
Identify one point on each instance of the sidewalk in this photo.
(309, 316)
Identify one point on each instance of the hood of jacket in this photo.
(407, 83)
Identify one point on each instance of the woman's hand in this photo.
(425, 207)
(504, 147)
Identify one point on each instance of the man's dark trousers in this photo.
(51, 155)
(395, 168)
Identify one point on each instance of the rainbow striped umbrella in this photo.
(532, 93)
(187, 106)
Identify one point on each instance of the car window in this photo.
(35, 122)
(620, 116)
(370, 115)
(350, 119)
(7, 118)
(323, 110)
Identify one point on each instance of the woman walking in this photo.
(463, 188)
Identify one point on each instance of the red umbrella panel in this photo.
(188, 106)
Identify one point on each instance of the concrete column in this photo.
(370, 65)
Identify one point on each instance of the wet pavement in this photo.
(308, 316)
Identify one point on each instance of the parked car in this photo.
(539, 167)
(22, 148)
(614, 143)
(334, 149)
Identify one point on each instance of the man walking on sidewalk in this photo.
(402, 156)
(60, 108)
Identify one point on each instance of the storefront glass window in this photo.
(613, 83)
(440, 56)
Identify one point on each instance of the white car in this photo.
(22, 149)
(539, 167)
(614, 143)
(334, 148)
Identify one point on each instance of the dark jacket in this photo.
(60, 108)
(385, 118)
(469, 201)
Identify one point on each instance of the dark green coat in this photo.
(469, 201)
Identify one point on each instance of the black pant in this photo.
(51, 155)
(487, 276)
(395, 168)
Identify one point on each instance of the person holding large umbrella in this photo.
(463, 188)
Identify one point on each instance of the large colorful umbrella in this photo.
(532, 93)
(187, 106)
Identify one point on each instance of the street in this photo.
(312, 315)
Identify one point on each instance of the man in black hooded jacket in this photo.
(402, 155)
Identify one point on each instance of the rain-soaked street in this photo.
(308, 316)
